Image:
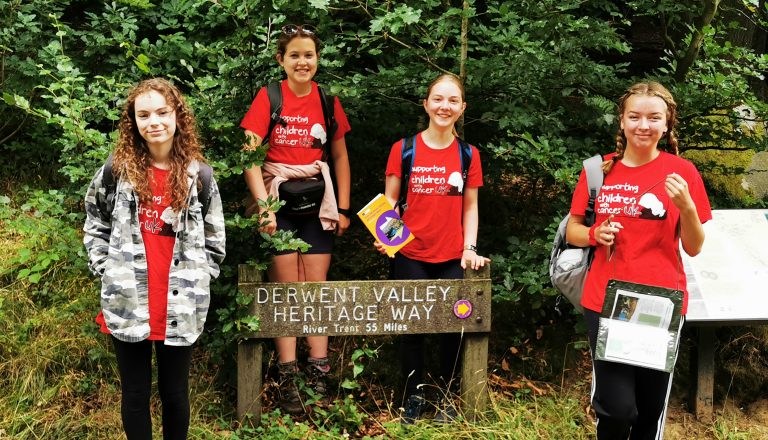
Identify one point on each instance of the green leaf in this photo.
(21, 102)
(357, 369)
(142, 62)
(357, 354)
(143, 67)
(319, 4)
(349, 384)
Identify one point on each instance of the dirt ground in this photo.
(729, 422)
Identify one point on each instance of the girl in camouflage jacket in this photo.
(156, 249)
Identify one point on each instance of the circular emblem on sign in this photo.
(462, 309)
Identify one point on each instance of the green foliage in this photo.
(49, 245)
(341, 419)
(724, 173)
(542, 78)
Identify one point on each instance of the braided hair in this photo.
(647, 88)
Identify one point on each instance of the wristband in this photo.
(470, 247)
(344, 212)
(592, 240)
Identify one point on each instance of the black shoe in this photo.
(413, 407)
(446, 411)
(317, 379)
(290, 400)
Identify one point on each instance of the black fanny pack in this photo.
(302, 196)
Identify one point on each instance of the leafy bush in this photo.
(541, 81)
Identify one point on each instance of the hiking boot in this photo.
(317, 375)
(413, 407)
(446, 411)
(290, 400)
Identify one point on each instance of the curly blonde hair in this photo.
(647, 88)
(132, 158)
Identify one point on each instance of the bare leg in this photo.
(285, 269)
(316, 269)
(290, 268)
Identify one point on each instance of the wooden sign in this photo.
(386, 307)
(369, 308)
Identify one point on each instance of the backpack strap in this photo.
(205, 174)
(465, 151)
(110, 187)
(592, 167)
(275, 95)
(328, 104)
(407, 153)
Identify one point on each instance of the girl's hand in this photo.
(342, 225)
(605, 233)
(269, 223)
(677, 190)
(469, 258)
(380, 247)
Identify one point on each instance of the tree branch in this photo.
(669, 43)
(684, 64)
(407, 46)
(464, 51)
(13, 133)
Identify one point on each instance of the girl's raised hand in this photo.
(677, 190)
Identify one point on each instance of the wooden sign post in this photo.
(388, 307)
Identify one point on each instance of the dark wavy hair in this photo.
(647, 88)
(132, 158)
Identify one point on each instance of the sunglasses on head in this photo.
(291, 29)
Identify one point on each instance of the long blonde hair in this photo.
(132, 159)
(647, 88)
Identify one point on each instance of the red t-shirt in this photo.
(647, 249)
(159, 240)
(435, 199)
(300, 142)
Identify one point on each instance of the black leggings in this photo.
(134, 360)
(630, 402)
(412, 346)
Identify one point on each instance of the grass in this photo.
(58, 380)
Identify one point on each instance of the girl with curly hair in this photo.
(155, 240)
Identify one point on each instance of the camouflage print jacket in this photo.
(116, 254)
